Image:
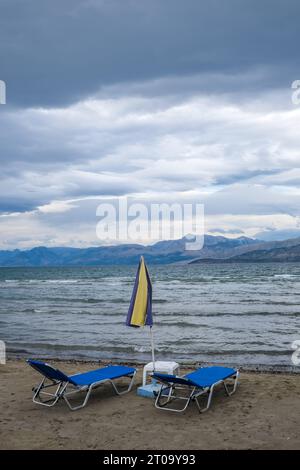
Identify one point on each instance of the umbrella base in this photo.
(148, 390)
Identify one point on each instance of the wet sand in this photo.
(263, 414)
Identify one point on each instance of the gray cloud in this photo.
(55, 53)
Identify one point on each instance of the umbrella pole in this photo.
(152, 348)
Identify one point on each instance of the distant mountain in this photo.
(284, 251)
(287, 254)
(215, 249)
(278, 235)
(163, 252)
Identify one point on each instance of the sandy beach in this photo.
(263, 414)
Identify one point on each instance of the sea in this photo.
(245, 315)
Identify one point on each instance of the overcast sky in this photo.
(165, 100)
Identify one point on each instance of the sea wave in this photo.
(286, 276)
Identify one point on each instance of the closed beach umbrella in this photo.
(140, 308)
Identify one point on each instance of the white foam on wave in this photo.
(286, 276)
(40, 281)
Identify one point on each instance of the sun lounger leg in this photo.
(171, 397)
(209, 398)
(84, 402)
(160, 394)
(127, 389)
(233, 387)
(54, 397)
(211, 391)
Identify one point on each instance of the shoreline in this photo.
(255, 369)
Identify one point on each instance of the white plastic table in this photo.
(166, 367)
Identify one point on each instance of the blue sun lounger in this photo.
(197, 384)
(64, 386)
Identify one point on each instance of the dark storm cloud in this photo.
(54, 53)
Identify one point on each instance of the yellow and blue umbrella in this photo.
(140, 308)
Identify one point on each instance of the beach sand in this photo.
(263, 414)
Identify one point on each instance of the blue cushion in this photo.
(207, 376)
(110, 372)
(203, 377)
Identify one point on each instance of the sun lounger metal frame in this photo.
(171, 384)
(57, 380)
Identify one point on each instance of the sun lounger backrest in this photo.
(49, 371)
(167, 378)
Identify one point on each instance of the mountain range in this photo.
(215, 249)
(281, 251)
